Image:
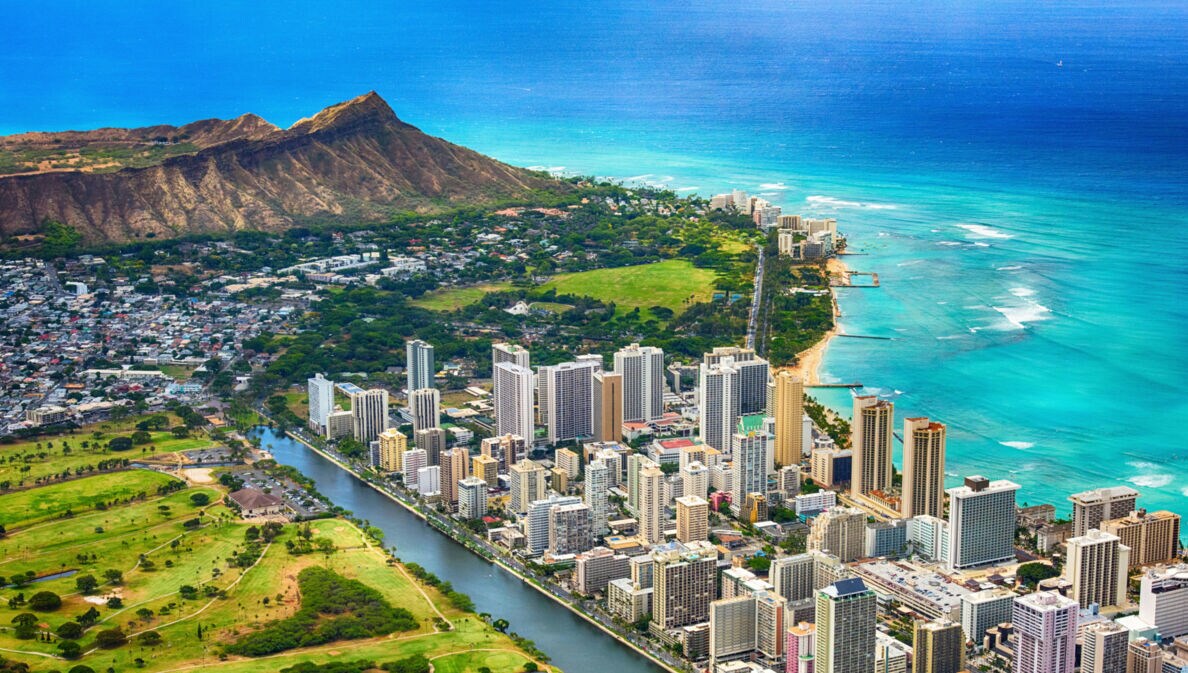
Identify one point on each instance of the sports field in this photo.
(672, 283)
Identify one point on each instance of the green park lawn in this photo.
(672, 283)
(451, 299)
(125, 536)
(23, 508)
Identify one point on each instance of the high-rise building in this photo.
(800, 647)
(636, 463)
(749, 464)
(472, 498)
(770, 611)
(1144, 656)
(1091, 508)
(392, 445)
(981, 522)
(413, 462)
(369, 411)
(429, 481)
(870, 439)
(831, 466)
(789, 415)
(538, 521)
(433, 440)
(753, 375)
(684, 582)
(754, 508)
(938, 647)
(506, 449)
(642, 372)
(651, 505)
(732, 628)
(485, 468)
(827, 569)
(719, 403)
(321, 401)
(424, 404)
(528, 482)
(840, 531)
(566, 400)
(597, 494)
(455, 466)
(510, 353)
(788, 481)
(339, 424)
(1096, 566)
(692, 515)
(608, 406)
(845, 628)
(695, 479)
(1045, 633)
(419, 364)
(1153, 537)
(568, 460)
(1163, 599)
(923, 468)
(569, 529)
(595, 569)
(792, 576)
(929, 538)
(1104, 649)
(984, 609)
(512, 400)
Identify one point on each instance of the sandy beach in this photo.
(808, 361)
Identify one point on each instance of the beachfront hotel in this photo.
(870, 439)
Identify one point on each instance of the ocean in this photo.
(1016, 172)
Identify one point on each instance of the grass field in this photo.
(124, 537)
(27, 507)
(455, 298)
(672, 283)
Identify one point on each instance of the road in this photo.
(754, 321)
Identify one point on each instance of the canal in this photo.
(573, 644)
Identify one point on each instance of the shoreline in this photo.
(808, 361)
(496, 560)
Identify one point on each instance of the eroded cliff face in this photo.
(353, 159)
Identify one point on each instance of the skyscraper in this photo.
(425, 406)
(608, 406)
(597, 494)
(1104, 649)
(695, 478)
(566, 400)
(800, 647)
(1096, 566)
(753, 372)
(539, 518)
(938, 647)
(792, 576)
(419, 364)
(845, 628)
(369, 411)
(455, 466)
(512, 399)
(485, 468)
(840, 531)
(569, 529)
(413, 462)
(923, 468)
(1091, 508)
(1152, 537)
(642, 372)
(984, 609)
(507, 449)
(1144, 656)
(1163, 599)
(749, 466)
(684, 584)
(692, 515)
(321, 401)
(528, 482)
(732, 628)
(509, 353)
(789, 415)
(433, 440)
(981, 523)
(472, 498)
(651, 505)
(392, 445)
(870, 439)
(636, 463)
(1045, 633)
(718, 402)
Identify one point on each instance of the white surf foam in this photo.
(834, 202)
(687, 189)
(1022, 446)
(983, 231)
(774, 185)
(1151, 480)
(911, 262)
(950, 243)
(1013, 267)
(1019, 316)
(1022, 291)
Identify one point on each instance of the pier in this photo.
(866, 336)
(856, 384)
(846, 279)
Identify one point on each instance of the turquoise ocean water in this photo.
(1016, 172)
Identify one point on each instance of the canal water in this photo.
(572, 643)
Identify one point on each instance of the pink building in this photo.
(719, 498)
(1045, 633)
(799, 645)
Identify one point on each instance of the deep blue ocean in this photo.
(1016, 171)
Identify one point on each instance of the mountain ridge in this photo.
(352, 159)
